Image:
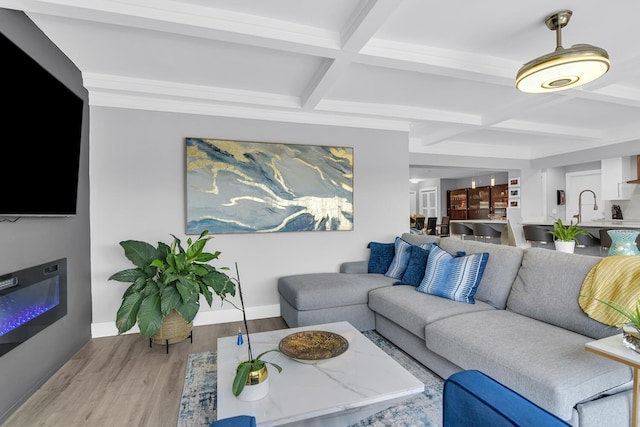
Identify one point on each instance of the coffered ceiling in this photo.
(442, 71)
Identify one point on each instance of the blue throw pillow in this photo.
(453, 276)
(380, 257)
(415, 269)
(401, 259)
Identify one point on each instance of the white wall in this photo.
(630, 208)
(555, 182)
(532, 199)
(137, 192)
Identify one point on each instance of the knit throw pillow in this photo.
(380, 257)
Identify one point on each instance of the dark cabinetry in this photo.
(499, 200)
(457, 204)
(478, 203)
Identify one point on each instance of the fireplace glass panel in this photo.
(30, 301)
(21, 306)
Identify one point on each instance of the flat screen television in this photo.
(40, 136)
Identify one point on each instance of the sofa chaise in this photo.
(523, 326)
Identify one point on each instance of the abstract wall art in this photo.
(249, 187)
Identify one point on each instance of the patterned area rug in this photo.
(198, 402)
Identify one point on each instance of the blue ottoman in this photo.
(237, 421)
(472, 399)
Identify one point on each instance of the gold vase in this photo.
(257, 385)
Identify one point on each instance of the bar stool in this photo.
(461, 230)
(431, 225)
(605, 241)
(485, 232)
(587, 240)
(537, 234)
(444, 227)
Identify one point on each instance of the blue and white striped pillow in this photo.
(453, 276)
(401, 259)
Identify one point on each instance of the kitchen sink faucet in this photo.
(595, 205)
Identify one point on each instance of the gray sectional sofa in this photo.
(525, 329)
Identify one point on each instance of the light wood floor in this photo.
(121, 382)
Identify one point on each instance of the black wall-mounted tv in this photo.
(40, 138)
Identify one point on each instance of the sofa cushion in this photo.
(401, 259)
(472, 395)
(380, 256)
(321, 290)
(453, 276)
(353, 267)
(415, 268)
(420, 239)
(413, 310)
(547, 288)
(499, 273)
(544, 363)
(402, 253)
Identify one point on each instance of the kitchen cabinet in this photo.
(614, 174)
(457, 204)
(482, 203)
(499, 200)
(479, 203)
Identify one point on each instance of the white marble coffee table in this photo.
(336, 392)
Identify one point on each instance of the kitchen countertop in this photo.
(607, 223)
(616, 223)
(483, 221)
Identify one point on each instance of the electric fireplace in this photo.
(30, 300)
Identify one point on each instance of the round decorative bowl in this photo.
(313, 346)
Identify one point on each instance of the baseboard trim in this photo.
(108, 329)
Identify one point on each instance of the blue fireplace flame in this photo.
(13, 317)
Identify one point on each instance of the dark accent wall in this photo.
(31, 241)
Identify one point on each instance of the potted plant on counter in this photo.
(166, 284)
(565, 236)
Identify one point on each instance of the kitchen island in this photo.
(598, 230)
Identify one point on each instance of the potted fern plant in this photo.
(565, 236)
(166, 284)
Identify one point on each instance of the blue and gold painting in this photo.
(261, 187)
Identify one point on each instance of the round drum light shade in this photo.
(563, 69)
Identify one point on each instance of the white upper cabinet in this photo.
(615, 173)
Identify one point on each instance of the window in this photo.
(429, 202)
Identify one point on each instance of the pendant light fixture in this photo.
(473, 182)
(493, 181)
(563, 68)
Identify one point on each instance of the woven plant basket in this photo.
(174, 328)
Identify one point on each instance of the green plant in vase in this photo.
(253, 367)
(168, 278)
(567, 233)
(566, 236)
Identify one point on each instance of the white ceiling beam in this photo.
(195, 21)
(363, 24)
(537, 128)
(398, 111)
(99, 98)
